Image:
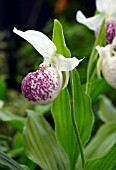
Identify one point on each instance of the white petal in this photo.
(106, 6)
(66, 77)
(104, 52)
(39, 41)
(113, 47)
(92, 22)
(66, 64)
(114, 41)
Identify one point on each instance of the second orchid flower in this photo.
(106, 10)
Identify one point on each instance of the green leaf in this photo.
(107, 111)
(15, 152)
(103, 140)
(25, 167)
(98, 86)
(16, 121)
(4, 159)
(106, 162)
(40, 144)
(59, 41)
(61, 111)
(81, 108)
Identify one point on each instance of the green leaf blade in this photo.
(40, 144)
(107, 111)
(98, 86)
(61, 111)
(103, 140)
(81, 108)
(59, 41)
(9, 162)
(106, 162)
(15, 120)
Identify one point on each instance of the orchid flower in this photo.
(107, 10)
(108, 62)
(45, 84)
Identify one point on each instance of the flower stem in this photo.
(100, 40)
(78, 138)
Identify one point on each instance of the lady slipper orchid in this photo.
(107, 10)
(45, 84)
(108, 62)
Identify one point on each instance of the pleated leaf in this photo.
(61, 107)
(81, 108)
(107, 111)
(40, 144)
(59, 41)
(64, 128)
(15, 120)
(106, 162)
(98, 86)
(9, 162)
(103, 140)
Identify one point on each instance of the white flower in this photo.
(49, 78)
(108, 62)
(107, 9)
(48, 50)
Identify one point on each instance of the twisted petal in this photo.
(104, 52)
(65, 79)
(66, 64)
(39, 41)
(92, 22)
(107, 6)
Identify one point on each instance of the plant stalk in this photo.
(78, 139)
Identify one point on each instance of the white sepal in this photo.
(39, 41)
(107, 6)
(92, 22)
(104, 52)
(66, 64)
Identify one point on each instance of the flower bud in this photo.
(110, 28)
(109, 71)
(43, 85)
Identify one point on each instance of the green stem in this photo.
(88, 87)
(88, 83)
(101, 40)
(90, 69)
(78, 139)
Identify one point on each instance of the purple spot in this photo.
(110, 31)
(40, 86)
